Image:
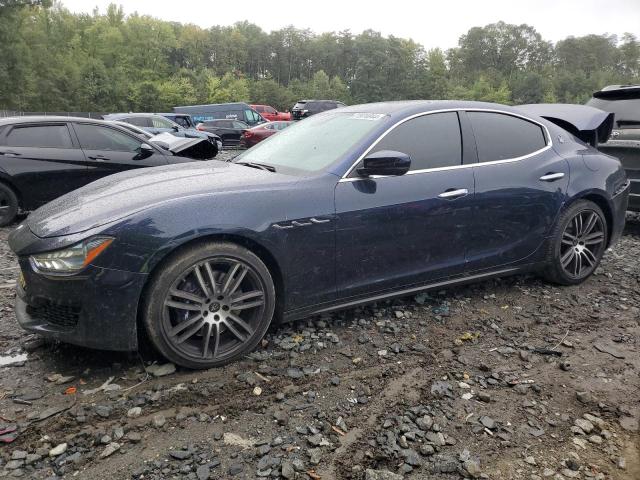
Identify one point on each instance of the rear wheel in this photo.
(578, 243)
(8, 205)
(209, 305)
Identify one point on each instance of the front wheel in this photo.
(577, 244)
(209, 305)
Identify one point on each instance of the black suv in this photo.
(42, 158)
(624, 102)
(306, 108)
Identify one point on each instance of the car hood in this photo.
(117, 196)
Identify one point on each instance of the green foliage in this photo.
(53, 60)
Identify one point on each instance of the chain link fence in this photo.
(15, 113)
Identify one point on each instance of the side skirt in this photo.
(324, 308)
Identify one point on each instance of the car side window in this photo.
(432, 141)
(240, 125)
(161, 122)
(183, 122)
(41, 136)
(259, 108)
(500, 136)
(270, 110)
(138, 121)
(96, 137)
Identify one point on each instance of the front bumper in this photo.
(620, 204)
(95, 309)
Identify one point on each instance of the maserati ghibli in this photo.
(350, 206)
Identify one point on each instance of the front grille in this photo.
(60, 315)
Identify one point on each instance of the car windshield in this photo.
(314, 143)
(161, 122)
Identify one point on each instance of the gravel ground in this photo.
(506, 379)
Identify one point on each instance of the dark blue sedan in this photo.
(350, 206)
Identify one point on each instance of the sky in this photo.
(431, 23)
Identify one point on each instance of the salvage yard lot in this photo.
(443, 385)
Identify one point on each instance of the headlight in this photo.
(71, 259)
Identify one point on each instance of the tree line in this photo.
(55, 60)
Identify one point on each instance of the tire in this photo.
(578, 242)
(209, 305)
(8, 205)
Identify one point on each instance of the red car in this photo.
(260, 132)
(271, 114)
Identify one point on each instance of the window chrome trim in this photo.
(545, 130)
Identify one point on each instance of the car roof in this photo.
(121, 115)
(214, 106)
(315, 100)
(46, 119)
(409, 107)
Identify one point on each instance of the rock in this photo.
(281, 417)
(295, 373)
(445, 464)
(161, 370)
(315, 455)
(159, 421)
(412, 458)
(58, 450)
(585, 425)
(629, 423)
(257, 391)
(437, 438)
(530, 460)
(484, 397)
(335, 380)
(103, 411)
(441, 389)
(488, 422)
(110, 449)
(596, 439)
(424, 423)
(18, 455)
(287, 470)
(427, 450)
(473, 468)
(134, 412)
(235, 468)
(203, 472)
(180, 454)
(584, 397)
(134, 437)
(381, 475)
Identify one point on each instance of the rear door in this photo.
(520, 187)
(43, 160)
(109, 150)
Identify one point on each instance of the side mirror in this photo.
(385, 162)
(145, 151)
(176, 128)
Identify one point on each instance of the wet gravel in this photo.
(506, 379)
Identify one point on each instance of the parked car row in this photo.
(42, 158)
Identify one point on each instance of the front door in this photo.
(411, 229)
(109, 150)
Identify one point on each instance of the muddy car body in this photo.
(350, 206)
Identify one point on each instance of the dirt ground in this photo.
(506, 379)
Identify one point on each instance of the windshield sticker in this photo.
(367, 116)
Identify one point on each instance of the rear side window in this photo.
(501, 137)
(138, 121)
(432, 141)
(94, 137)
(42, 136)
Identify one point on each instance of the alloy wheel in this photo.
(213, 309)
(582, 243)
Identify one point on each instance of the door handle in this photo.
(451, 194)
(551, 177)
(99, 158)
(10, 152)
